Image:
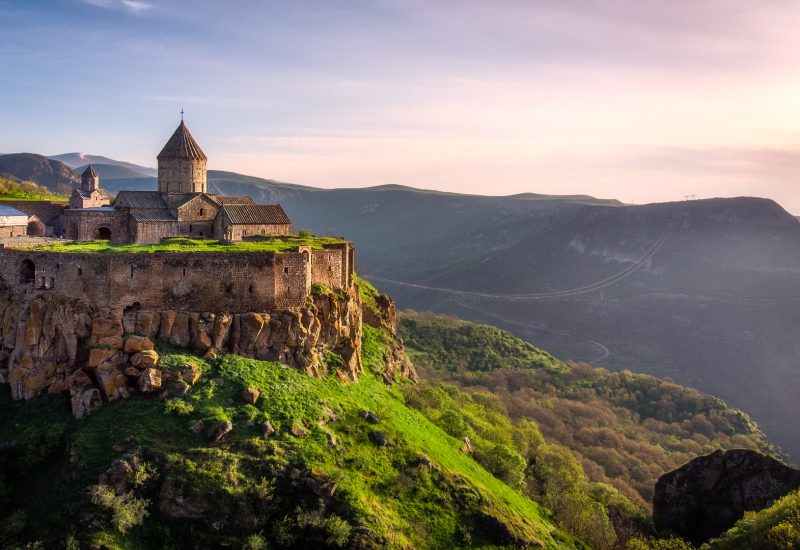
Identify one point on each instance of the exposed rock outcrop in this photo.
(383, 314)
(48, 342)
(706, 496)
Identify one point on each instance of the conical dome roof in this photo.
(182, 146)
(90, 172)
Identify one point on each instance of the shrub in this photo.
(144, 473)
(318, 289)
(453, 423)
(651, 543)
(785, 535)
(255, 541)
(506, 465)
(303, 232)
(178, 406)
(127, 510)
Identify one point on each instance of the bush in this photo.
(651, 543)
(506, 465)
(127, 510)
(453, 423)
(178, 406)
(785, 535)
(303, 232)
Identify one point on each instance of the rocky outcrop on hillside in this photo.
(706, 496)
(382, 314)
(51, 343)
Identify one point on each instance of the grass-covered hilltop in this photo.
(269, 243)
(496, 444)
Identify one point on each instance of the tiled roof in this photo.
(89, 172)
(182, 146)
(139, 199)
(88, 194)
(163, 216)
(232, 199)
(255, 214)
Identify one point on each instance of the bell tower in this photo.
(182, 164)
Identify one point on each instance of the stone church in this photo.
(181, 207)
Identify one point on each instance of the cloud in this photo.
(100, 3)
(136, 6)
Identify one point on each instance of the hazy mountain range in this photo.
(701, 291)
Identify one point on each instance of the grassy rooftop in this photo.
(280, 243)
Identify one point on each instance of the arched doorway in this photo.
(35, 228)
(27, 272)
(102, 234)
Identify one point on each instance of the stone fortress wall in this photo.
(233, 282)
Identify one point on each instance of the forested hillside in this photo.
(626, 429)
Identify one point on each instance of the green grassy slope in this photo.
(253, 490)
(278, 243)
(14, 189)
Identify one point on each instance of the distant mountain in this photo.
(74, 160)
(38, 169)
(700, 291)
(111, 172)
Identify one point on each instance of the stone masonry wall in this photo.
(83, 225)
(13, 230)
(147, 232)
(182, 176)
(231, 282)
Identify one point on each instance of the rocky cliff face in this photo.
(706, 496)
(383, 315)
(48, 342)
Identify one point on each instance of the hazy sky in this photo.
(639, 100)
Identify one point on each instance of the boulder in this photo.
(297, 430)
(220, 430)
(136, 344)
(119, 476)
(112, 382)
(83, 397)
(705, 497)
(145, 359)
(250, 395)
(98, 356)
(181, 388)
(190, 374)
(267, 428)
(150, 380)
(378, 438)
(370, 417)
